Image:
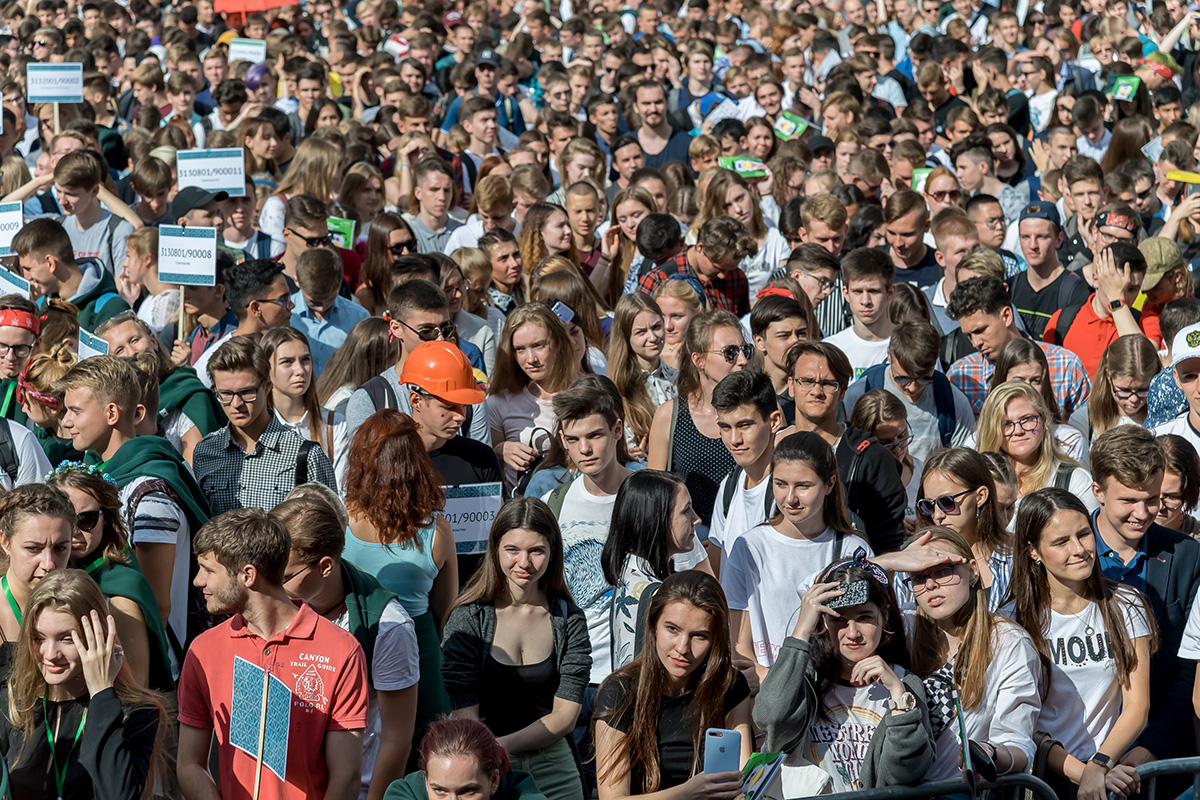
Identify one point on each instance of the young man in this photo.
(906, 220)
(627, 158)
(257, 294)
(955, 236)
(1046, 286)
(317, 673)
(991, 227)
(985, 312)
(47, 259)
(101, 408)
(931, 82)
(254, 461)
(583, 213)
(1185, 369)
(1127, 467)
(490, 68)
(433, 188)
(721, 244)
(494, 207)
(311, 85)
(94, 232)
(152, 180)
(319, 312)
(239, 234)
(777, 323)
(181, 94)
(20, 323)
(939, 414)
(1094, 135)
(659, 141)
(976, 169)
(1083, 190)
(355, 601)
(1040, 77)
(479, 121)
(867, 274)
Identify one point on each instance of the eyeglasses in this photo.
(18, 350)
(284, 302)
(313, 241)
(1146, 194)
(950, 196)
(289, 578)
(1029, 423)
(942, 576)
(997, 223)
(948, 503)
(401, 248)
(1125, 394)
(1172, 502)
(446, 331)
(87, 520)
(903, 441)
(225, 398)
(906, 382)
(807, 385)
(730, 352)
(824, 284)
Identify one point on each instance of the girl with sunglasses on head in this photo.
(1094, 639)
(684, 437)
(839, 696)
(964, 651)
(1014, 421)
(100, 547)
(882, 414)
(1122, 384)
(389, 238)
(43, 405)
(1023, 360)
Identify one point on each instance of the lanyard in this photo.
(8, 396)
(60, 776)
(95, 565)
(12, 601)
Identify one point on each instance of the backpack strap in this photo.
(329, 433)
(1062, 477)
(48, 203)
(1066, 316)
(943, 400)
(103, 300)
(556, 498)
(874, 376)
(382, 395)
(8, 452)
(853, 472)
(730, 488)
(671, 430)
(111, 225)
(262, 246)
(302, 461)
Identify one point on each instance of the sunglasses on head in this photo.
(86, 520)
(730, 352)
(948, 503)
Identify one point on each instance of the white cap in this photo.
(1185, 345)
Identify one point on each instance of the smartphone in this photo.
(722, 751)
(563, 312)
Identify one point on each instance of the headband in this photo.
(16, 318)
(860, 560)
(1162, 69)
(50, 401)
(79, 466)
(773, 291)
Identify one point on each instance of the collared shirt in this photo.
(1072, 386)
(1089, 335)
(731, 293)
(1132, 574)
(1094, 151)
(326, 335)
(233, 478)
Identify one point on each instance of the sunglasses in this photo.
(446, 331)
(87, 520)
(948, 503)
(313, 241)
(919, 582)
(402, 248)
(730, 352)
(951, 196)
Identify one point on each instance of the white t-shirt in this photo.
(913, 489)
(1079, 484)
(1084, 698)
(636, 578)
(747, 508)
(201, 365)
(395, 665)
(337, 433)
(770, 256)
(766, 575)
(1189, 646)
(515, 417)
(862, 354)
(32, 463)
(1181, 426)
(839, 738)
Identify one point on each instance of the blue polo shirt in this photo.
(1132, 574)
(326, 335)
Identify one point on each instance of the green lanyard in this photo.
(60, 775)
(12, 601)
(95, 565)
(8, 396)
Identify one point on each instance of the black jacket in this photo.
(871, 479)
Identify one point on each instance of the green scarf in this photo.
(127, 580)
(182, 390)
(365, 600)
(152, 457)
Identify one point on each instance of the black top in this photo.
(1036, 308)
(460, 461)
(924, 273)
(110, 762)
(517, 695)
(676, 749)
(941, 112)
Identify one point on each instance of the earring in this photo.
(974, 581)
(1037, 561)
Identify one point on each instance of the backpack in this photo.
(555, 501)
(731, 484)
(1066, 317)
(943, 399)
(302, 462)
(111, 227)
(1062, 476)
(262, 246)
(8, 452)
(48, 203)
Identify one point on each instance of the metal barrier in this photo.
(1173, 766)
(1030, 787)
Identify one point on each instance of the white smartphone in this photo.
(722, 751)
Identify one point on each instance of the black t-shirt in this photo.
(462, 461)
(676, 750)
(943, 111)
(1036, 308)
(676, 150)
(925, 273)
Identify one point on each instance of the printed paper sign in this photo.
(743, 165)
(55, 83)
(789, 126)
(219, 170)
(1152, 149)
(470, 509)
(91, 345)
(1124, 87)
(11, 221)
(919, 177)
(342, 231)
(252, 50)
(14, 284)
(726, 109)
(249, 681)
(187, 256)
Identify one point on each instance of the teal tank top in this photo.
(405, 569)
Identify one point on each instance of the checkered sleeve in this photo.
(651, 280)
(1072, 386)
(971, 375)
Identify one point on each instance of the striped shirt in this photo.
(998, 564)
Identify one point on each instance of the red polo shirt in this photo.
(1088, 336)
(321, 686)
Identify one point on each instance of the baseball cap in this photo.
(487, 56)
(191, 198)
(452, 19)
(1185, 345)
(1125, 222)
(1041, 209)
(1162, 255)
(820, 143)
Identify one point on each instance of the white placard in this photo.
(187, 256)
(11, 221)
(214, 170)
(14, 284)
(726, 109)
(252, 50)
(1153, 149)
(91, 345)
(55, 83)
(470, 510)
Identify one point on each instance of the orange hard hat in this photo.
(442, 370)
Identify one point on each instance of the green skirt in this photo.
(432, 700)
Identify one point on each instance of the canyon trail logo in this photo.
(309, 686)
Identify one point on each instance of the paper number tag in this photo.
(252, 50)
(91, 345)
(218, 170)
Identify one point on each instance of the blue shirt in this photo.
(1132, 574)
(514, 122)
(326, 335)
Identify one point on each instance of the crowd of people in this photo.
(581, 384)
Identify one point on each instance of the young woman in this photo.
(558, 280)
(325, 113)
(389, 238)
(679, 301)
(883, 415)
(476, 267)
(728, 193)
(631, 205)
(683, 437)
(77, 724)
(580, 160)
(100, 547)
(534, 362)
(361, 198)
(1014, 421)
(1099, 703)
(840, 696)
(1023, 360)
(651, 714)
(516, 651)
(1005, 478)
(36, 525)
(1180, 486)
(397, 535)
(462, 756)
(367, 352)
(1009, 155)
(546, 232)
(1122, 384)
(764, 566)
(965, 651)
(313, 171)
(760, 138)
(635, 363)
(651, 536)
(260, 141)
(140, 270)
(43, 405)
(294, 397)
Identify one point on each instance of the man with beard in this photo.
(658, 139)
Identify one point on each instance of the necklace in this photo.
(1088, 630)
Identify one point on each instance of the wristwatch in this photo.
(907, 702)
(1102, 760)
(1115, 304)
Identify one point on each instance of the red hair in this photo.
(390, 480)
(465, 737)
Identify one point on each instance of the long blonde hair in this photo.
(507, 375)
(1127, 356)
(312, 171)
(991, 432)
(623, 366)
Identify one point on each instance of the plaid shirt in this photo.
(731, 293)
(973, 374)
(232, 478)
